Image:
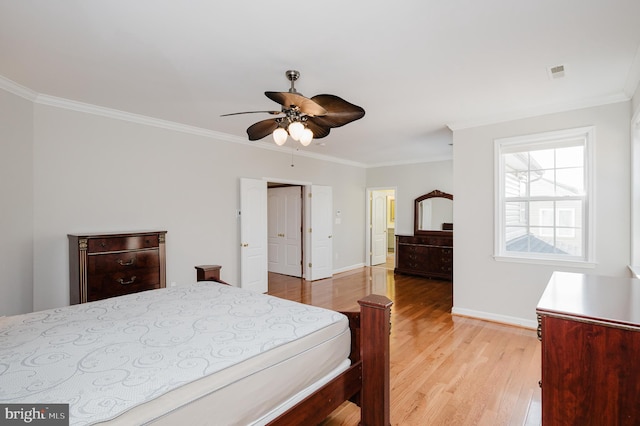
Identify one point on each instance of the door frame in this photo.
(306, 242)
(289, 262)
(368, 221)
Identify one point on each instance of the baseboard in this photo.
(488, 316)
(349, 268)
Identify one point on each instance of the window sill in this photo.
(549, 262)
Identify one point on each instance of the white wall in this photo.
(635, 182)
(411, 181)
(16, 201)
(635, 103)
(89, 173)
(509, 292)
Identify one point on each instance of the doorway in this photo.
(284, 229)
(381, 220)
(316, 244)
(300, 228)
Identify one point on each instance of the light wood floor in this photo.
(445, 370)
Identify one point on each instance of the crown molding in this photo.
(409, 162)
(131, 117)
(54, 101)
(17, 89)
(537, 112)
(178, 127)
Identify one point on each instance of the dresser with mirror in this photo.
(429, 251)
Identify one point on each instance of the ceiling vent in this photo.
(556, 72)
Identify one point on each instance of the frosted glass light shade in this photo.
(306, 137)
(295, 130)
(280, 136)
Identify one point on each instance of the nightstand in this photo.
(208, 273)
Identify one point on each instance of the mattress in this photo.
(205, 352)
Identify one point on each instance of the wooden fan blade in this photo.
(261, 129)
(252, 112)
(318, 130)
(339, 111)
(288, 99)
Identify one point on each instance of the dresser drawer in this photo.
(106, 265)
(446, 257)
(413, 261)
(413, 250)
(123, 262)
(427, 240)
(102, 286)
(411, 267)
(136, 242)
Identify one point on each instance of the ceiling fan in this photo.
(303, 118)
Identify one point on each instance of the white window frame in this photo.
(588, 229)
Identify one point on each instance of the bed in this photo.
(204, 353)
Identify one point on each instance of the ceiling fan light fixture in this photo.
(295, 130)
(321, 113)
(280, 136)
(306, 137)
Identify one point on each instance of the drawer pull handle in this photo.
(127, 263)
(123, 282)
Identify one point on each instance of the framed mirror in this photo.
(433, 212)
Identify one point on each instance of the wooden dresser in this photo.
(107, 265)
(590, 332)
(428, 255)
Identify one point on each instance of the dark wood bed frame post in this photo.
(366, 382)
(375, 322)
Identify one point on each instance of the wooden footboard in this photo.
(366, 382)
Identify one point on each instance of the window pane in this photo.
(570, 181)
(542, 213)
(569, 241)
(516, 162)
(572, 156)
(541, 241)
(517, 239)
(542, 183)
(569, 213)
(543, 159)
(515, 213)
(515, 184)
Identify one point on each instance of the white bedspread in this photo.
(106, 357)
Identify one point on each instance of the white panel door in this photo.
(378, 227)
(321, 232)
(285, 230)
(253, 235)
(275, 230)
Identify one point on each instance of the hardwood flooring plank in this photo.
(445, 370)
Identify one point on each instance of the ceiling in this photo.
(419, 68)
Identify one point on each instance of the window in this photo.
(544, 196)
